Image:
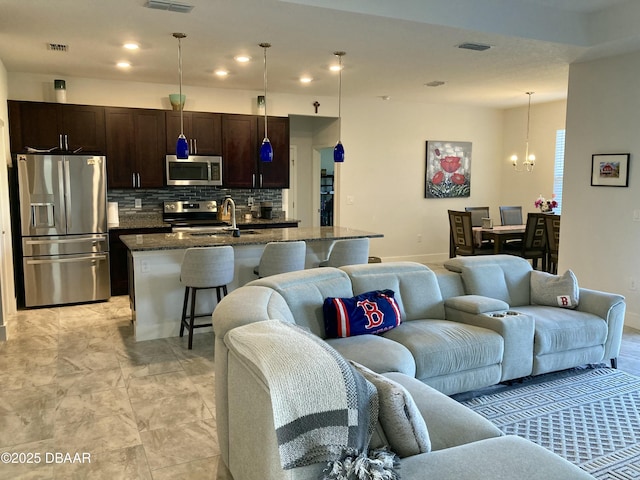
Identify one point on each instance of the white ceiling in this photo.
(393, 47)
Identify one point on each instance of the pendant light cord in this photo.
(340, 90)
(265, 46)
(180, 36)
(529, 115)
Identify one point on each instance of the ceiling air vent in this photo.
(479, 47)
(57, 47)
(170, 6)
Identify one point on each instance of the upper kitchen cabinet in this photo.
(241, 139)
(275, 174)
(53, 125)
(203, 132)
(135, 147)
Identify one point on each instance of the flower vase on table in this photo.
(546, 206)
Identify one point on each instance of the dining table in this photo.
(499, 234)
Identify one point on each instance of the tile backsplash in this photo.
(152, 198)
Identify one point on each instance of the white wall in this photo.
(384, 141)
(7, 293)
(598, 235)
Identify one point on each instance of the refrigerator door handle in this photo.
(95, 240)
(67, 193)
(66, 260)
(61, 185)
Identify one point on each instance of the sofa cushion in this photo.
(416, 287)
(560, 329)
(398, 415)
(376, 352)
(367, 313)
(305, 290)
(441, 347)
(554, 290)
(511, 285)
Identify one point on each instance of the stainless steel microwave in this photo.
(195, 170)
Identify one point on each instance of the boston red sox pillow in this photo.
(370, 312)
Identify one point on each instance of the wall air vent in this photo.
(57, 47)
(168, 5)
(479, 47)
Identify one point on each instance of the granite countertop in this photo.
(154, 220)
(139, 220)
(181, 240)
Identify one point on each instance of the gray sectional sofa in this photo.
(454, 337)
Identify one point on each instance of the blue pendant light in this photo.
(338, 150)
(266, 150)
(182, 147)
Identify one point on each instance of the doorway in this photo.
(327, 182)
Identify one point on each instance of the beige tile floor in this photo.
(73, 380)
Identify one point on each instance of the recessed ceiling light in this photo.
(123, 64)
(335, 68)
(131, 46)
(242, 58)
(221, 72)
(306, 79)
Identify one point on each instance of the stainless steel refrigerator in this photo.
(63, 215)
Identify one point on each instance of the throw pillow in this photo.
(554, 290)
(401, 421)
(370, 312)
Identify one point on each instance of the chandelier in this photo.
(529, 158)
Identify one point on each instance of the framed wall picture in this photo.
(448, 169)
(610, 169)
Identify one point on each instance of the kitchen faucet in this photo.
(227, 204)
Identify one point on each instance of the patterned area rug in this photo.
(592, 419)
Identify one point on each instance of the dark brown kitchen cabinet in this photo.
(118, 256)
(203, 132)
(65, 127)
(241, 139)
(275, 174)
(135, 147)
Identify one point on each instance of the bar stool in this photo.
(281, 257)
(352, 251)
(204, 268)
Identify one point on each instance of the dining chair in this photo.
(477, 214)
(281, 257)
(511, 215)
(461, 236)
(552, 229)
(534, 244)
(351, 251)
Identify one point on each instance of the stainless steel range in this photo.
(193, 217)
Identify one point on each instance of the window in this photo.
(558, 170)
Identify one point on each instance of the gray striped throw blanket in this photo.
(323, 409)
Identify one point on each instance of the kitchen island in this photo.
(154, 268)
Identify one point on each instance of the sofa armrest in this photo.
(475, 304)
(611, 307)
(449, 423)
(246, 305)
(517, 330)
